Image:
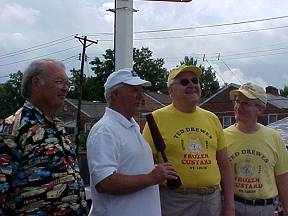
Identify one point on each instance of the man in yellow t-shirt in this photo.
(195, 147)
(258, 156)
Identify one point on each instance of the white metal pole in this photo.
(123, 34)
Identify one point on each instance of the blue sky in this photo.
(255, 50)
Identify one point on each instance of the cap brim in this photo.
(243, 92)
(197, 71)
(137, 81)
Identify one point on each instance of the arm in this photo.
(227, 181)
(118, 183)
(8, 158)
(103, 153)
(282, 185)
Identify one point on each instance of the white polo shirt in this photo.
(115, 144)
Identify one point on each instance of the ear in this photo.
(114, 93)
(36, 82)
(261, 110)
(170, 91)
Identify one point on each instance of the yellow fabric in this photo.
(184, 68)
(256, 158)
(192, 140)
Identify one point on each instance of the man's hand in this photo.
(163, 171)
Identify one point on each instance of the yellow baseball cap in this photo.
(251, 91)
(184, 68)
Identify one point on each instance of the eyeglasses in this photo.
(59, 82)
(62, 83)
(185, 82)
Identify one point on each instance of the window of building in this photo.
(88, 126)
(272, 118)
(226, 121)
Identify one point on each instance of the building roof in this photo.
(275, 100)
(278, 101)
(163, 99)
(282, 127)
(89, 108)
(236, 86)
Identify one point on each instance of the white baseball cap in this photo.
(127, 76)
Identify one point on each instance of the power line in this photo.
(227, 57)
(2, 77)
(62, 40)
(259, 51)
(11, 63)
(39, 45)
(31, 49)
(71, 57)
(252, 56)
(211, 26)
(211, 34)
(231, 71)
(220, 75)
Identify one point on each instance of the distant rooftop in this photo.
(282, 127)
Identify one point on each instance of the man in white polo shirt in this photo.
(123, 177)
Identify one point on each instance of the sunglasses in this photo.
(185, 82)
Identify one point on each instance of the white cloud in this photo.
(14, 13)
(238, 77)
(27, 23)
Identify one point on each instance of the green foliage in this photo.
(75, 82)
(208, 81)
(146, 67)
(188, 61)
(150, 69)
(82, 141)
(10, 95)
(284, 91)
(101, 69)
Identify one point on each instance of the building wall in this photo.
(223, 105)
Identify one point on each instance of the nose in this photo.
(139, 94)
(65, 87)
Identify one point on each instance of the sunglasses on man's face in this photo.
(185, 82)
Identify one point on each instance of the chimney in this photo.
(272, 90)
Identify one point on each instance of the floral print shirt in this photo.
(39, 173)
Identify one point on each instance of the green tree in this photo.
(10, 95)
(150, 69)
(208, 81)
(75, 82)
(102, 69)
(146, 67)
(284, 91)
(188, 61)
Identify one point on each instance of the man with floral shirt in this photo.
(39, 173)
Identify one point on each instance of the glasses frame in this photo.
(185, 81)
(59, 82)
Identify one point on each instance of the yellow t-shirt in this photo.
(256, 159)
(191, 140)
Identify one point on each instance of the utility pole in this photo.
(83, 41)
(123, 34)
